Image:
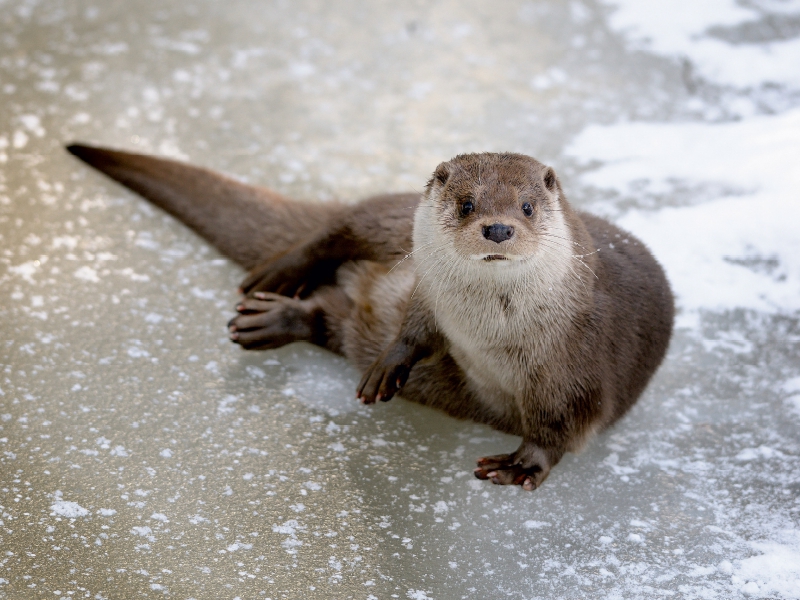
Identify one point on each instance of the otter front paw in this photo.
(528, 467)
(387, 375)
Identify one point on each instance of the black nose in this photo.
(498, 232)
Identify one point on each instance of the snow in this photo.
(773, 572)
(87, 274)
(67, 508)
(681, 28)
(749, 259)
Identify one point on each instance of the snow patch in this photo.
(775, 572)
(66, 508)
(748, 259)
(87, 274)
(680, 28)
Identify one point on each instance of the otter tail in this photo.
(246, 223)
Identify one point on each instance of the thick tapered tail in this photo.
(246, 223)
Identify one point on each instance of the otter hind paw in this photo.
(270, 321)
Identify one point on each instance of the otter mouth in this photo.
(498, 258)
(505, 258)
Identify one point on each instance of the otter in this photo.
(487, 296)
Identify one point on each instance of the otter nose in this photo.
(498, 232)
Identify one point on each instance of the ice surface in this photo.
(141, 453)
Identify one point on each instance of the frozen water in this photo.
(141, 451)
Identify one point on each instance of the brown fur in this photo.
(515, 310)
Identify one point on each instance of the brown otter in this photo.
(513, 309)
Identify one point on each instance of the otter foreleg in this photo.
(528, 466)
(550, 428)
(418, 339)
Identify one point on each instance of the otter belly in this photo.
(379, 293)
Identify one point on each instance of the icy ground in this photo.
(142, 455)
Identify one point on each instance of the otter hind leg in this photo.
(270, 320)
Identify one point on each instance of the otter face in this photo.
(493, 208)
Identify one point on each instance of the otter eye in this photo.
(466, 208)
(527, 209)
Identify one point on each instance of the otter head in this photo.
(492, 208)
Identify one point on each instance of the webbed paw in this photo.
(387, 375)
(528, 466)
(269, 321)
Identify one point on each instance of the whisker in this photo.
(558, 244)
(443, 283)
(409, 255)
(431, 253)
(585, 255)
(587, 266)
(553, 235)
(423, 278)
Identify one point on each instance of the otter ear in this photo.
(442, 173)
(550, 179)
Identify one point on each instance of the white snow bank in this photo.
(680, 28)
(741, 249)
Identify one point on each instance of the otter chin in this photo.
(556, 349)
